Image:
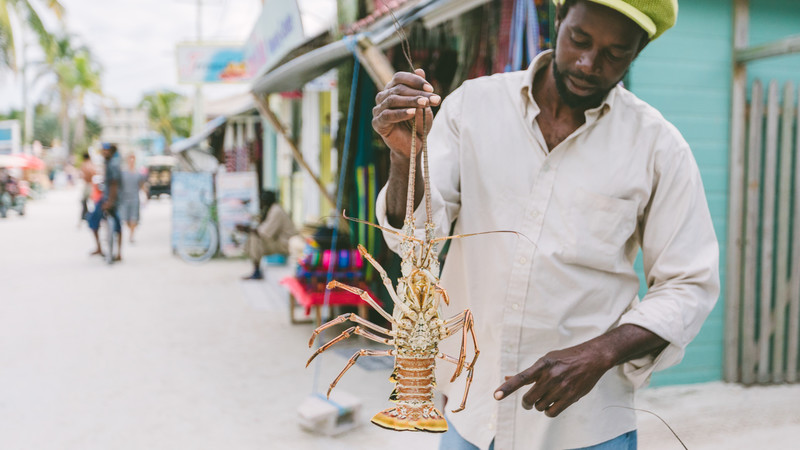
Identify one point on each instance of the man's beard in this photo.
(573, 100)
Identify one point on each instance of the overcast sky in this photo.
(134, 40)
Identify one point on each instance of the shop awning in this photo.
(292, 75)
(299, 71)
(195, 140)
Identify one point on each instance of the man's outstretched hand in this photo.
(560, 378)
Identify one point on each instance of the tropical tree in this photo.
(26, 14)
(76, 75)
(29, 19)
(87, 81)
(162, 112)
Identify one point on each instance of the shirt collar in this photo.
(542, 60)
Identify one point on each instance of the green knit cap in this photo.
(655, 16)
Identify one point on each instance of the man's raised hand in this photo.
(397, 103)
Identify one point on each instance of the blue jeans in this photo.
(451, 440)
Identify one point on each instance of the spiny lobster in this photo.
(416, 324)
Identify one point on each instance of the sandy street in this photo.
(154, 353)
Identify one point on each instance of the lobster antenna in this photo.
(459, 236)
(412, 172)
(659, 418)
(403, 38)
(387, 230)
(412, 169)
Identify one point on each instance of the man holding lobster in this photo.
(589, 174)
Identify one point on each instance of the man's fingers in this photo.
(558, 407)
(515, 382)
(527, 376)
(412, 80)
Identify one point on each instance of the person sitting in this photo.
(272, 235)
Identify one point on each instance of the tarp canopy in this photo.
(292, 75)
(197, 139)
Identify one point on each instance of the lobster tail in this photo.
(413, 393)
(405, 418)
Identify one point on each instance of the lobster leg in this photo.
(345, 317)
(470, 368)
(381, 271)
(452, 325)
(444, 295)
(346, 334)
(364, 296)
(464, 322)
(353, 361)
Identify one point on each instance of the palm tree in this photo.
(76, 75)
(60, 60)
(161, 110)
(87, 81)
(25, 12)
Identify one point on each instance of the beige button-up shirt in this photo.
(624, 180)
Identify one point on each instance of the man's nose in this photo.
(589, 62)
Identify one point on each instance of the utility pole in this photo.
(27, 132)
(198, 121)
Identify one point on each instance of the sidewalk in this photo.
(158, 354)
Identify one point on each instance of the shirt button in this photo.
(534, 214)
(523, 260)
(515, 306)
(546, 167)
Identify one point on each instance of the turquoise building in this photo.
(688, 75)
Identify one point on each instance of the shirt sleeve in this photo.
(444, 142)
(681, 263)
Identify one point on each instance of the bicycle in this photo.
(199, 240)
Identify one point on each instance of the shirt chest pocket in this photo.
(598, 227)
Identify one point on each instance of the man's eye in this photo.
(614, 57)
(579, 42)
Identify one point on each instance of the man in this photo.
(109, 202)
(589, 174)
(131, 183)
(274, 235)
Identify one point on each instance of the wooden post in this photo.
(751, 234)
(374, 62)
(733, 272)
(262, 104)
(793, 336)
(782, 246)
(768, 233)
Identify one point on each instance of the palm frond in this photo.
(7, 53)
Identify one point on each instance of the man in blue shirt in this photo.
(110, 200)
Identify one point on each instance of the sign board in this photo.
(9, 137)
(277, 31)
(211, 63)
(192, 205)
(237, 203)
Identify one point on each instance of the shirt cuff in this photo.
(638, 371)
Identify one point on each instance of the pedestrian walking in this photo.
(590, 174)
(87, 171)
(132, 184)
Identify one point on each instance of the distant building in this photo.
(9, 137)
(124, 126)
